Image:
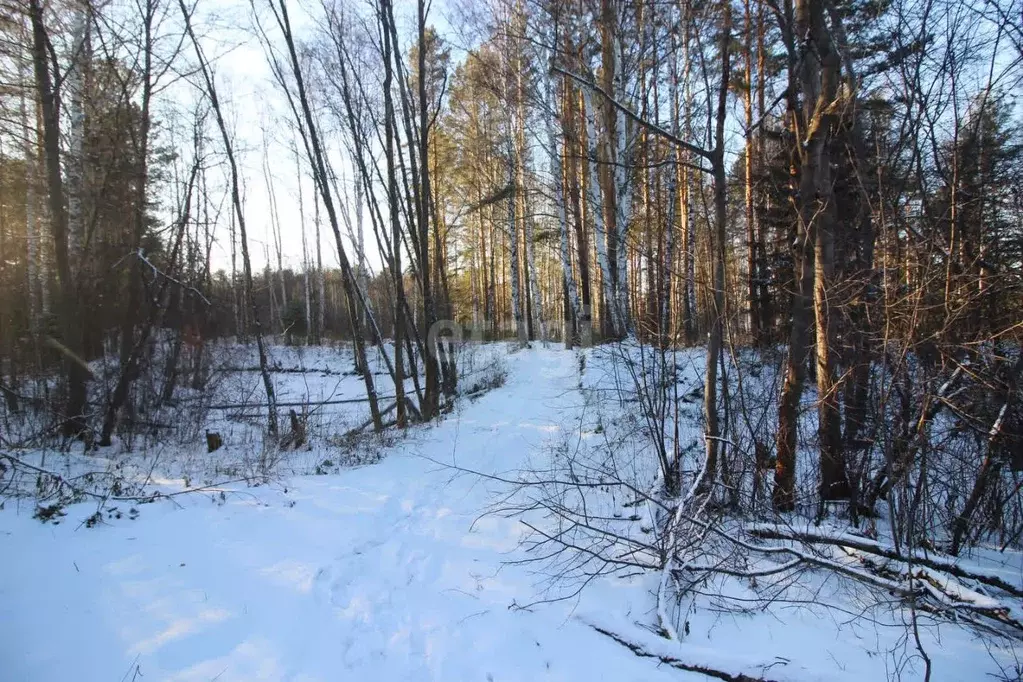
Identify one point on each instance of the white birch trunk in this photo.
(600, 233)
(474, 267)
(668, 262)
(305, 255)
(513, 232)
(534, 280)
(687, 208)
(235, 307)
(362, 279)
(623, 205)
(81, 48)
(532, 276)
(275, 312)
(513, 235)
(275, 227)
(559, 201)
(321, 283)
(31, 234)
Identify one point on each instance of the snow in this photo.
(393, 571)
(375, 573)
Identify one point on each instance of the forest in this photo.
(762, 258)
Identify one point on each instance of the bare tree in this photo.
(76, 371)
(239, 213)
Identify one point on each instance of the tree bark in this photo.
(834, 484)
(431, 396)
(595, 189)
(572, 313)
(76, 371)
(716, 338)
(392, 202)
(33, 251)
(609, 188)
(811, 128)
(802, 186)
(752, 273)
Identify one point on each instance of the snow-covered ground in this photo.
(376, 573)
(390, 571)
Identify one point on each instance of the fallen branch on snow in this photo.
(773, 532)
(947, 595)
(643, 652)
(78, 491)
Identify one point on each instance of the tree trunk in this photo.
(668, 274)
(34, 252)
(716, 339)
(321, 279)
(577, 178)
(595, 188)
(572, 313)
(532, 276)
(817, 73)
(431, 398)
(314, 150)
(610, 190)
(306, 284)
(752, 274)
(392, 202)
(129, 354)
(236, 201)
(688, 238)
(77, 373)
(834, 484)
(75, 161)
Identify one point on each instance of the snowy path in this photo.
(373, 574)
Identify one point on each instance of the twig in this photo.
(141, 255)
